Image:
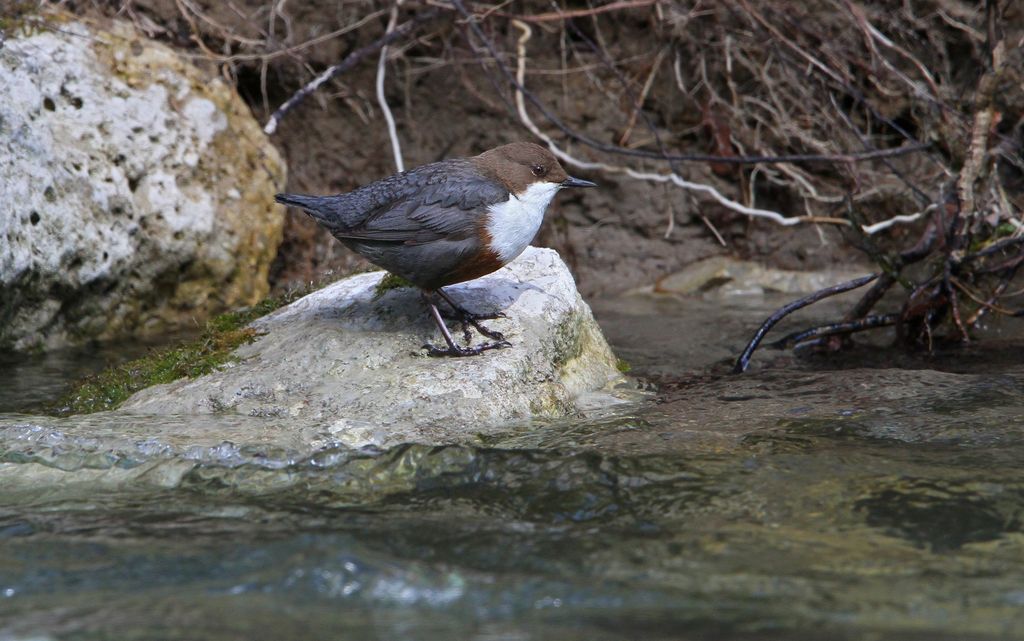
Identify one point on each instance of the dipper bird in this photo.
(447, 222)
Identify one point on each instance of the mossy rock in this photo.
(213, 348)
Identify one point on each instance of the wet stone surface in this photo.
(857, 496)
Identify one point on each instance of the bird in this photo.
(447, 222)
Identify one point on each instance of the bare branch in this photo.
(350, 61)
(396, 148)
(744, 360)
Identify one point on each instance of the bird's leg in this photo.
(453, 349)
(465, 313)
(468, 317)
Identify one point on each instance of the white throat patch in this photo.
(514, 223)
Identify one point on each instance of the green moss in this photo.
(1005, 229)
(110, 388)
(238, 319)
(981, 241)
(622, 366)
(214, 347)
(389, 282)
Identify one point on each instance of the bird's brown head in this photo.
(518, 165)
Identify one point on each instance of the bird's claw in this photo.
(489, 333)
(456, 351)
(479, 317)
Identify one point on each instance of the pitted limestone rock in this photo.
(136, 192)
(350, 360)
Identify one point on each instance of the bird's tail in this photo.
(326, 210)
(297, 200)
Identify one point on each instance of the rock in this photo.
(722, 276)
(136, 192)
(349, 359)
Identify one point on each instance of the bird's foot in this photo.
(467, 318)
(456, 351)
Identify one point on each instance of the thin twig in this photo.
(714, 230)
(906, 218)
(287, 51)
(954, 302)
(986, 305)
(579, 13)
(638, 102)
(350, 61)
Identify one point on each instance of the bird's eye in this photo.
(538, 170)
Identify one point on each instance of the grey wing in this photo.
(432, 205)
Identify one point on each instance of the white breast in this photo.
(514, 223)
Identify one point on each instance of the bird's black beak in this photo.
(577, 182)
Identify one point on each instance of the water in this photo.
(865, 496)
(28, 382)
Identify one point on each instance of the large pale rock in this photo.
(135, 190)
(350, 360)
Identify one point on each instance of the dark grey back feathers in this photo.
(442, 200)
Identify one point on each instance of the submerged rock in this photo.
(723, 277)
(136, 192)
(349, 358)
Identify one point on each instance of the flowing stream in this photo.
(863, 495)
